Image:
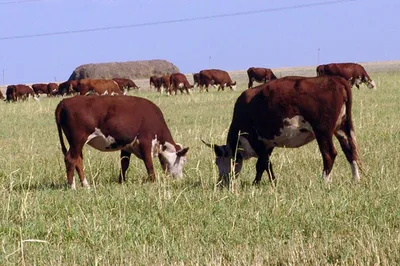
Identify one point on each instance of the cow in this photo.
(289, 112)
(117, 123)
(165, 82)
(260, 75)
(68, 87)
(52, 88)
(39, 88)
(1, 96)
(354, 73)
(179, 81)
(97, 86)
(196, 80)
(155, 82)
(320, 70)
(216, 77)
(18, 92)
(125, 83)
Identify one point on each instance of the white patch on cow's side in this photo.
(247, 151)
(100, 142)
(342, 115)
(296, 132)
(354, 171)
(180, 85)
(327, 177)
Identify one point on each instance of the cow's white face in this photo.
(172, 161)
(371, 84)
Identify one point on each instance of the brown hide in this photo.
(196, 79)
(52, 88)
(18, 92)
(179, 81)
(165, 82)
(215, 77)
(123, 119)
(261, 113)
(39, 88)
(125, 83)
(97, 86)
(348, 71)
(259, 74)
(156, 81)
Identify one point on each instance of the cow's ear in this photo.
(219, 151)
(182, 152)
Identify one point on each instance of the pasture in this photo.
(190, 221)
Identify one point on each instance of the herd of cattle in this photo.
(282, 112)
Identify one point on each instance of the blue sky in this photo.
(356, 31)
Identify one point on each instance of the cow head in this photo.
(233, 86)
(225, 160)
(171, 159)
(370, 84)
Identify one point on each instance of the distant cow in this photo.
(18, 92)
(354, 73)
(125, 83)
(40, 88)
(1, 96)
(52, 88)
(179, 81)
(117, 123)
(97, 86)
(260, 75)
(196, 79)
(155, 82)
(290, 112)
(216, 77)
(67, 87)
(165, 82)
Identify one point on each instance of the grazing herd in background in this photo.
(282, 112)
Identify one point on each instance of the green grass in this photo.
(300, 221)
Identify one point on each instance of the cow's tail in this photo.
(58, 121)
(349, 127)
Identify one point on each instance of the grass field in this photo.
(300, 221)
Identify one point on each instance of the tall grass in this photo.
(189, 221)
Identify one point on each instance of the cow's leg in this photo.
(264, 164)
(79, 169)
(125, 159)
(145, 150)
(250, 83)
(74, 161)
(348, 144)
(328, 153)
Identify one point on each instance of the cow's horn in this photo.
(207, 144)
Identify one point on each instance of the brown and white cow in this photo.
(18, 92)
(98, 87)
(216, 77)
(117, 123)
(52, 88)
(290, 112)
(126, 84)
(179, 81)
(165, 82)
(155, 82)
(196, 80)
(68, 87)
(260, 75)
(354, 73)
(40, 88)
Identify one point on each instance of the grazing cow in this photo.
(117, 123)
(290, 112)
(155, 82)
(39, 88)
(179, 81)
(68, 87)
(97, 86)
(260, 75)
(52, 88)
(354, 73)
(165, 82)
(196, 80)
(127, 84)
(18, 92)
(216, 77)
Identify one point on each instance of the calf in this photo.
(354, 73)
(117, 123)
(289, 112)
(260, 75)
(125, 83)
(179, 81)
(216, 77)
